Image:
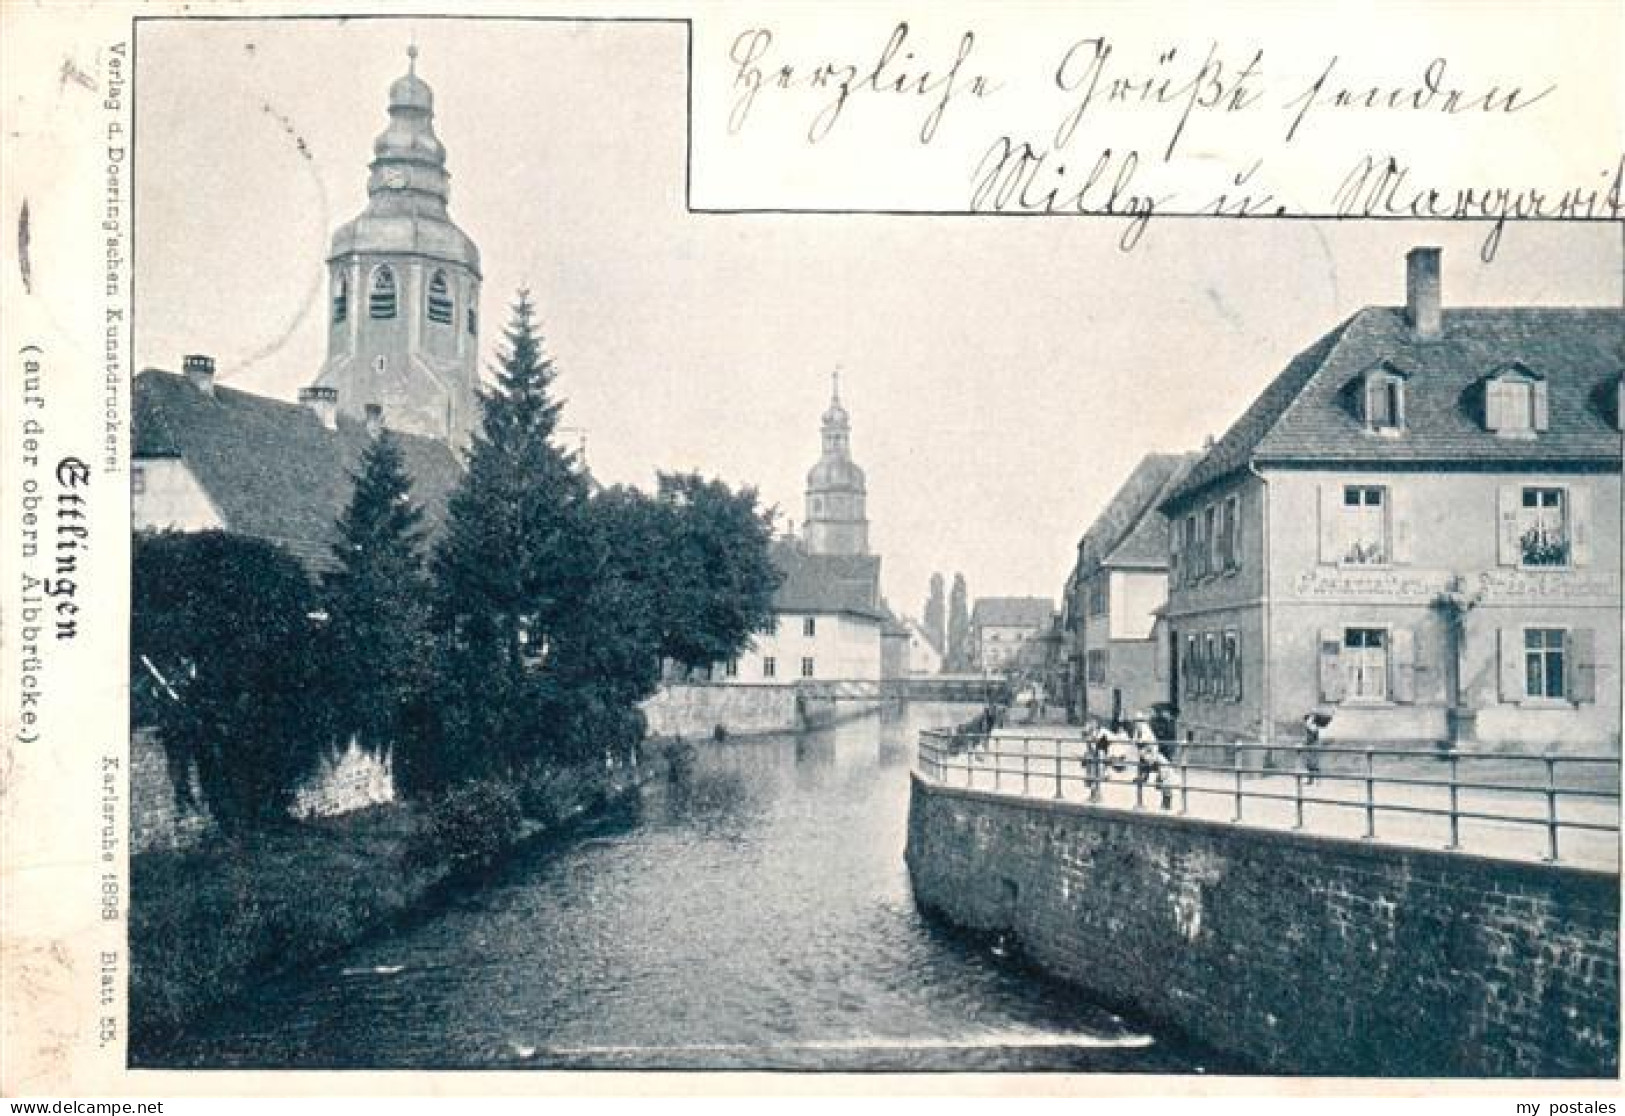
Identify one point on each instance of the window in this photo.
(1187, 665)
(806, 668)
(1515, 403)
(1365, 664)
(731, 668)
(1213, 560)
(1365, 525)
(1507, 406)
(341, 299)
(138, 480)
(1210, 665)
(1232, 666)
(1384, 402)
(381, 302)
(1096, 667)
(1543, 662)
(770, 667)
(473, 320)
(1192, 561)
(809, 626)
(1230, 546)
(1097, 596)
(440, 299)
(1543, 535)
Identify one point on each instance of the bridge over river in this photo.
(752, 911)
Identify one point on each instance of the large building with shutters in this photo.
(1415, 527)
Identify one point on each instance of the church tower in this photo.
(836, 522)
(404, 280)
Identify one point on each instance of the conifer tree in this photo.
(514, 569)
(958, 654)
(377, 604)
(936, 615)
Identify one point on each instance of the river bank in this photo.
(748, 910)
(208, 924)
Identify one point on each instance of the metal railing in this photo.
(1342, 790)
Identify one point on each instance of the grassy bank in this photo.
(207, 924)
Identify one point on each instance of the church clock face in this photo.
(395, 178)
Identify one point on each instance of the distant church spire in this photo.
(836, 521)
(405, 280)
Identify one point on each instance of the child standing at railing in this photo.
(1313, 722)
(1154, 766)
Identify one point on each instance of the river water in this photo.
(752, 911)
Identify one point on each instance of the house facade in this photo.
(923, 655)
(1117, 586)
(1416, 528)
(1002, 627)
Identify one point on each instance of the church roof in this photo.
(848, 583)
(835, 474)
(270, 467)
(408, 189)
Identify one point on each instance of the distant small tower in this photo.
(403, 322)
(835, 521)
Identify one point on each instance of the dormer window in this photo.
(381, 300)
(1515, 401)
(1382, 398)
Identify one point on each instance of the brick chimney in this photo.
(375, 419)
(324, 403)
(1422, 308)
(199, 371)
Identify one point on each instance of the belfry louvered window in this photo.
(341, 299)
(440, 299)
(381, 301)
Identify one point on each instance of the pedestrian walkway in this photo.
(1407, 802)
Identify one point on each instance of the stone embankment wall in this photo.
(161, 819)
(1296, 954)
(694, 710)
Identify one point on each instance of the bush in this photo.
(225, 622)
(470, 825)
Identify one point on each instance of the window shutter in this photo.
(1331, 496)
(1582, 664)
(1494, 420)
(1579, 525)
(1331, 664)
(1537, 393)
(1399, 525)
(1506, 521)
(1239, 670)
(1511, 664)
(1402, 663)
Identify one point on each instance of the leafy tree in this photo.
(720, 576)
(516, 564)
(958, 654)
(936, 615)
(380, 653)
(222, 633)
(696, 559)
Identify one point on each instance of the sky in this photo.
(1003, 376)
